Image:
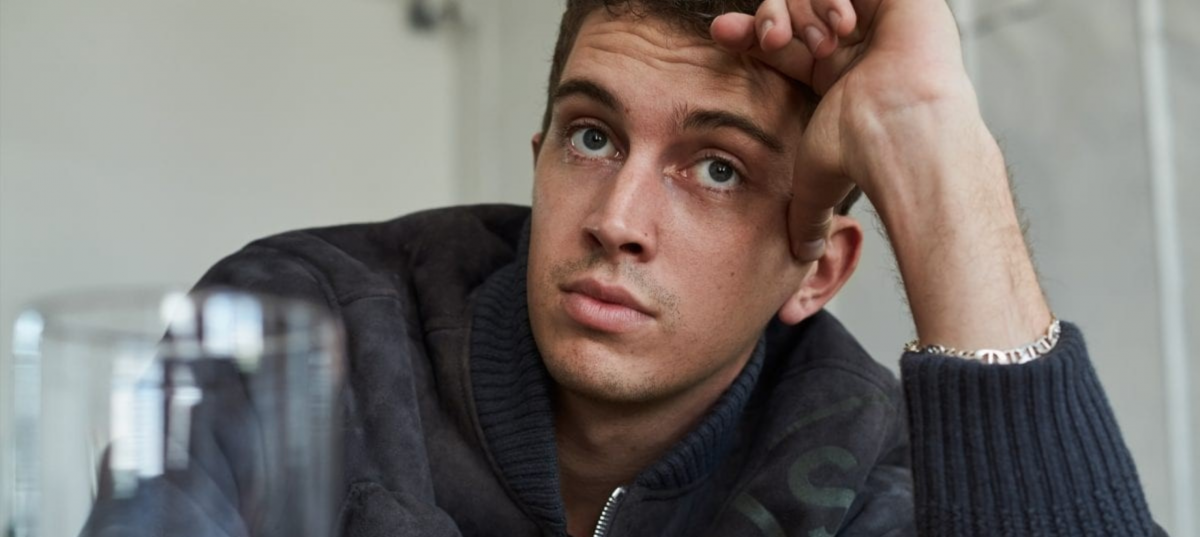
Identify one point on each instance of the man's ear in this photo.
(536, 142)
(827, 274)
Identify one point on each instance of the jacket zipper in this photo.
(606, 515)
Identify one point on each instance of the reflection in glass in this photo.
(150, 413)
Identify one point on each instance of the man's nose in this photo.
(624, 220)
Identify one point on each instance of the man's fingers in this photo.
(781, 21)
(817, 188)
(737, 32)
(774, 25)
(810, 26)
(789, 35)
(794, 60)
(808, 231)
(839, 16)
(734, 31)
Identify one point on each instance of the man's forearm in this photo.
(950, 218)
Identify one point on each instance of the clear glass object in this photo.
(154, 413)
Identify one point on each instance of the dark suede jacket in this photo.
(449, 419)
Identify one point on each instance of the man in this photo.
(645, 352)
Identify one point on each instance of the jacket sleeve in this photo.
(1031, 449)
(884, 507)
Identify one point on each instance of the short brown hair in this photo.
(694, 16)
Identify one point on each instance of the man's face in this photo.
(659, 247)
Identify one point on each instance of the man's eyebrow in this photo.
(589, 89)
(716, 119)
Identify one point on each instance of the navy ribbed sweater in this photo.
(1029, 449)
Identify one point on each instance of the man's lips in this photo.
(612, 294)
(604, 307)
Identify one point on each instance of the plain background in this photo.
(142, 140)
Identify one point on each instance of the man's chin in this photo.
(602, 375)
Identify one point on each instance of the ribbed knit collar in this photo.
(513, 398)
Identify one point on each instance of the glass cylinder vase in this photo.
(151, 412)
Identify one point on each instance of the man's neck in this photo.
(602, 445)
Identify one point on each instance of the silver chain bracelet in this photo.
(1018, 355)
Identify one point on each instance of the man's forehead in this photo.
(642, 42)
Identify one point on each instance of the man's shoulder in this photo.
(827, 413)
(823, 343)
(460, 229)
(452, 246)
(820, 387)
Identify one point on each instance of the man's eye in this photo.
(717, 173)
(593, 142)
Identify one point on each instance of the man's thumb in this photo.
(808, 230)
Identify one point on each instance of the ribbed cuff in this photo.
(1028, 449)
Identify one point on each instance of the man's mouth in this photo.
(604, 307)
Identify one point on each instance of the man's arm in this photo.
(1028, 449)
(899, 118)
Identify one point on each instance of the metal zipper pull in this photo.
(610, 510)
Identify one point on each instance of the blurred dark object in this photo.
(428, 15)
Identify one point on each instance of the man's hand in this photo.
(873, 62)
(899, 118)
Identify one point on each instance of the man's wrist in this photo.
(906, 151)
(944, 199)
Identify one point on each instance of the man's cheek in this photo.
(563, 198)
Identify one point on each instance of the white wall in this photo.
(142, 140)
(504, 51)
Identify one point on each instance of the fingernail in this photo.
(762, 32)
(834, 20)
(813, 38)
